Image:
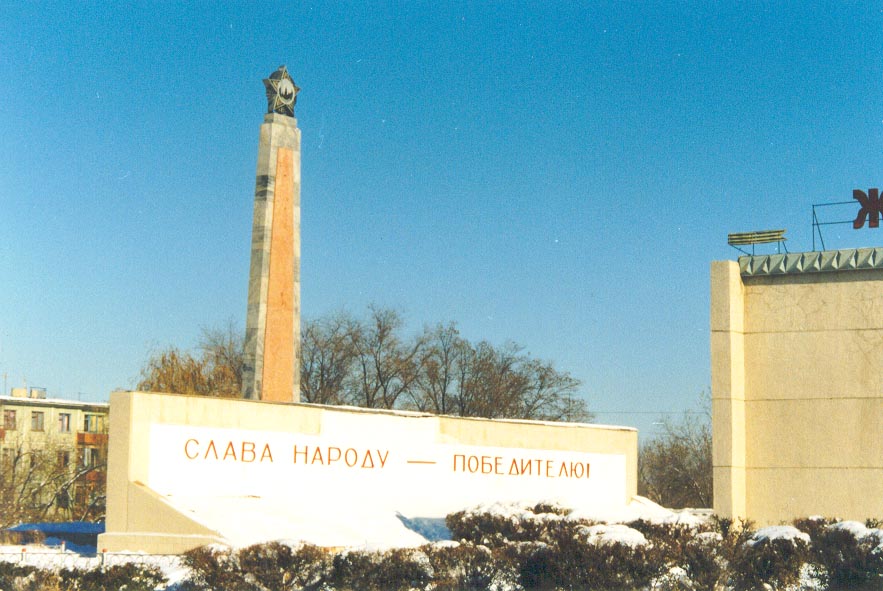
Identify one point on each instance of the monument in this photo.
(272, 329)
(185, 471)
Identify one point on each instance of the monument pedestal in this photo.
(184, 471)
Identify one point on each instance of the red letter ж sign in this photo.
(872, 207)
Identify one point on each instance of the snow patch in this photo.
(861, 533)
(613, 534)
(777, 532)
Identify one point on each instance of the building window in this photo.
(64, 458)
(34, 460)
(37, 420)
(8, 457)
(9, 420)
(92, 424)
(91, 457)
(64, 422)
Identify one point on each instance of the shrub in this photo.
(403, 569)
(669, 538)
(703, 561)
(14, 577)
(551, 508)
(496, 525)
(814, 527)
(310, 566)
(399, 569)
(10, 573)
(773, 555)
(275, 566)
(215, 567)
(266, 565)
(734, 534)
(353, 570)
(851, 554)
(465, 566)
(535, 564)
(127, 577)
(603, 557)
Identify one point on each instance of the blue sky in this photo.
(559, 176)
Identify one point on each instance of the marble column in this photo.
(272, 335)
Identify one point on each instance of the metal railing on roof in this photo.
(738, 239)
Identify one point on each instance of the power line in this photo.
(648, 412)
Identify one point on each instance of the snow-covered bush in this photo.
(128, 577)
(702, 560)
(850, 553)
(215, 567)
(499, 523)
(668, 538)
(403, 569)
(466, 566)
(694, 555)
(534, 564)
(393, 570)
(276, 565)
(603, 557)
(354, 569)
(14, 577)
(772, 556)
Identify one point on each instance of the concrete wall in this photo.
(797, 385)
(162, 457)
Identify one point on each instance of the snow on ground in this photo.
(243, 521)
(641, 508)
(251, 520)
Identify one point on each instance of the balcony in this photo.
(94, 476)
(97, 439)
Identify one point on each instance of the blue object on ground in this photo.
(78, 536)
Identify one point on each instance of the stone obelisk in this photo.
(272, 329)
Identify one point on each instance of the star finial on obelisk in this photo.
(281, 92)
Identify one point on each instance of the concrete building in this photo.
(64, 441)
(797, 385)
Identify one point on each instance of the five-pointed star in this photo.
(281, 92)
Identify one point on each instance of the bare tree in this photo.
(327, 358)
(386, 366)
(491, 385)
(435, 389)
(369, 362)
(675, 468)
(47, 480)
(549, 394)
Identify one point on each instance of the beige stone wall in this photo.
(797, 389)
(139, 518)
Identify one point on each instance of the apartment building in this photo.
(53, 454)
